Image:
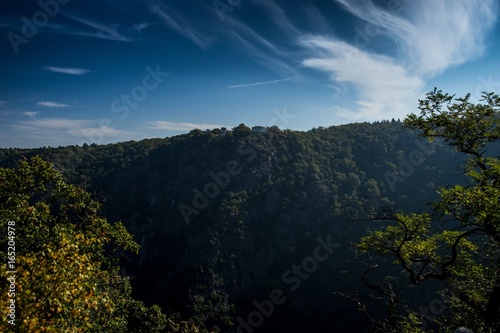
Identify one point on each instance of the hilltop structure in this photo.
(258, 129)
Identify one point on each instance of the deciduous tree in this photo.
(66, 258)
(457, 242)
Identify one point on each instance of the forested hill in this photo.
(223, 217)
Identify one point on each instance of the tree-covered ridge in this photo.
(258, 204)
(87, 163)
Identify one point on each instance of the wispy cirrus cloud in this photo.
(279, 16)
(316, 18)
(3, 104)
(37, 133)
(139, 27)
(101, 132)
(281, 57)
(31, 114)
(254, 84)
(176, 21)
(180, 126)
(379, 80)
(260, 49)
(93, 28)
(62, 131)
(431, 37)
(52, 104)
(54, 124)
(4, 108)
(207, 30)
(67, 70)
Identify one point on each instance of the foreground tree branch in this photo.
(458, 243)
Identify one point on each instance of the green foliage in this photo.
(458, 244)
(67, 269)
(290, 188)
(466, 126)
(241, 131)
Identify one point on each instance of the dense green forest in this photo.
(242, 232)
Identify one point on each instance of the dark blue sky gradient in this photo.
(294, 64)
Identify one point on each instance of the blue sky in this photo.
(75, 72)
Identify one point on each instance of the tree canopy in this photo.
(457, 242)
(262, 202)
(64, 258)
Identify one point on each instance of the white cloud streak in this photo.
(6, 110)
(179, 126)
(279, 16)
(379, 80)
(262, 83)
(263, 50)
(67, 70)
(54, 123)
(31, 114)
(431, 37)
(100, 132)
(235, 33)
(179, 24)
(98, 30)
(52, 104)
(139, 27)
(63, 131)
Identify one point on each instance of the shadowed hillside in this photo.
(242, 230)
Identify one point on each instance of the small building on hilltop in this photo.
(258, 130)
